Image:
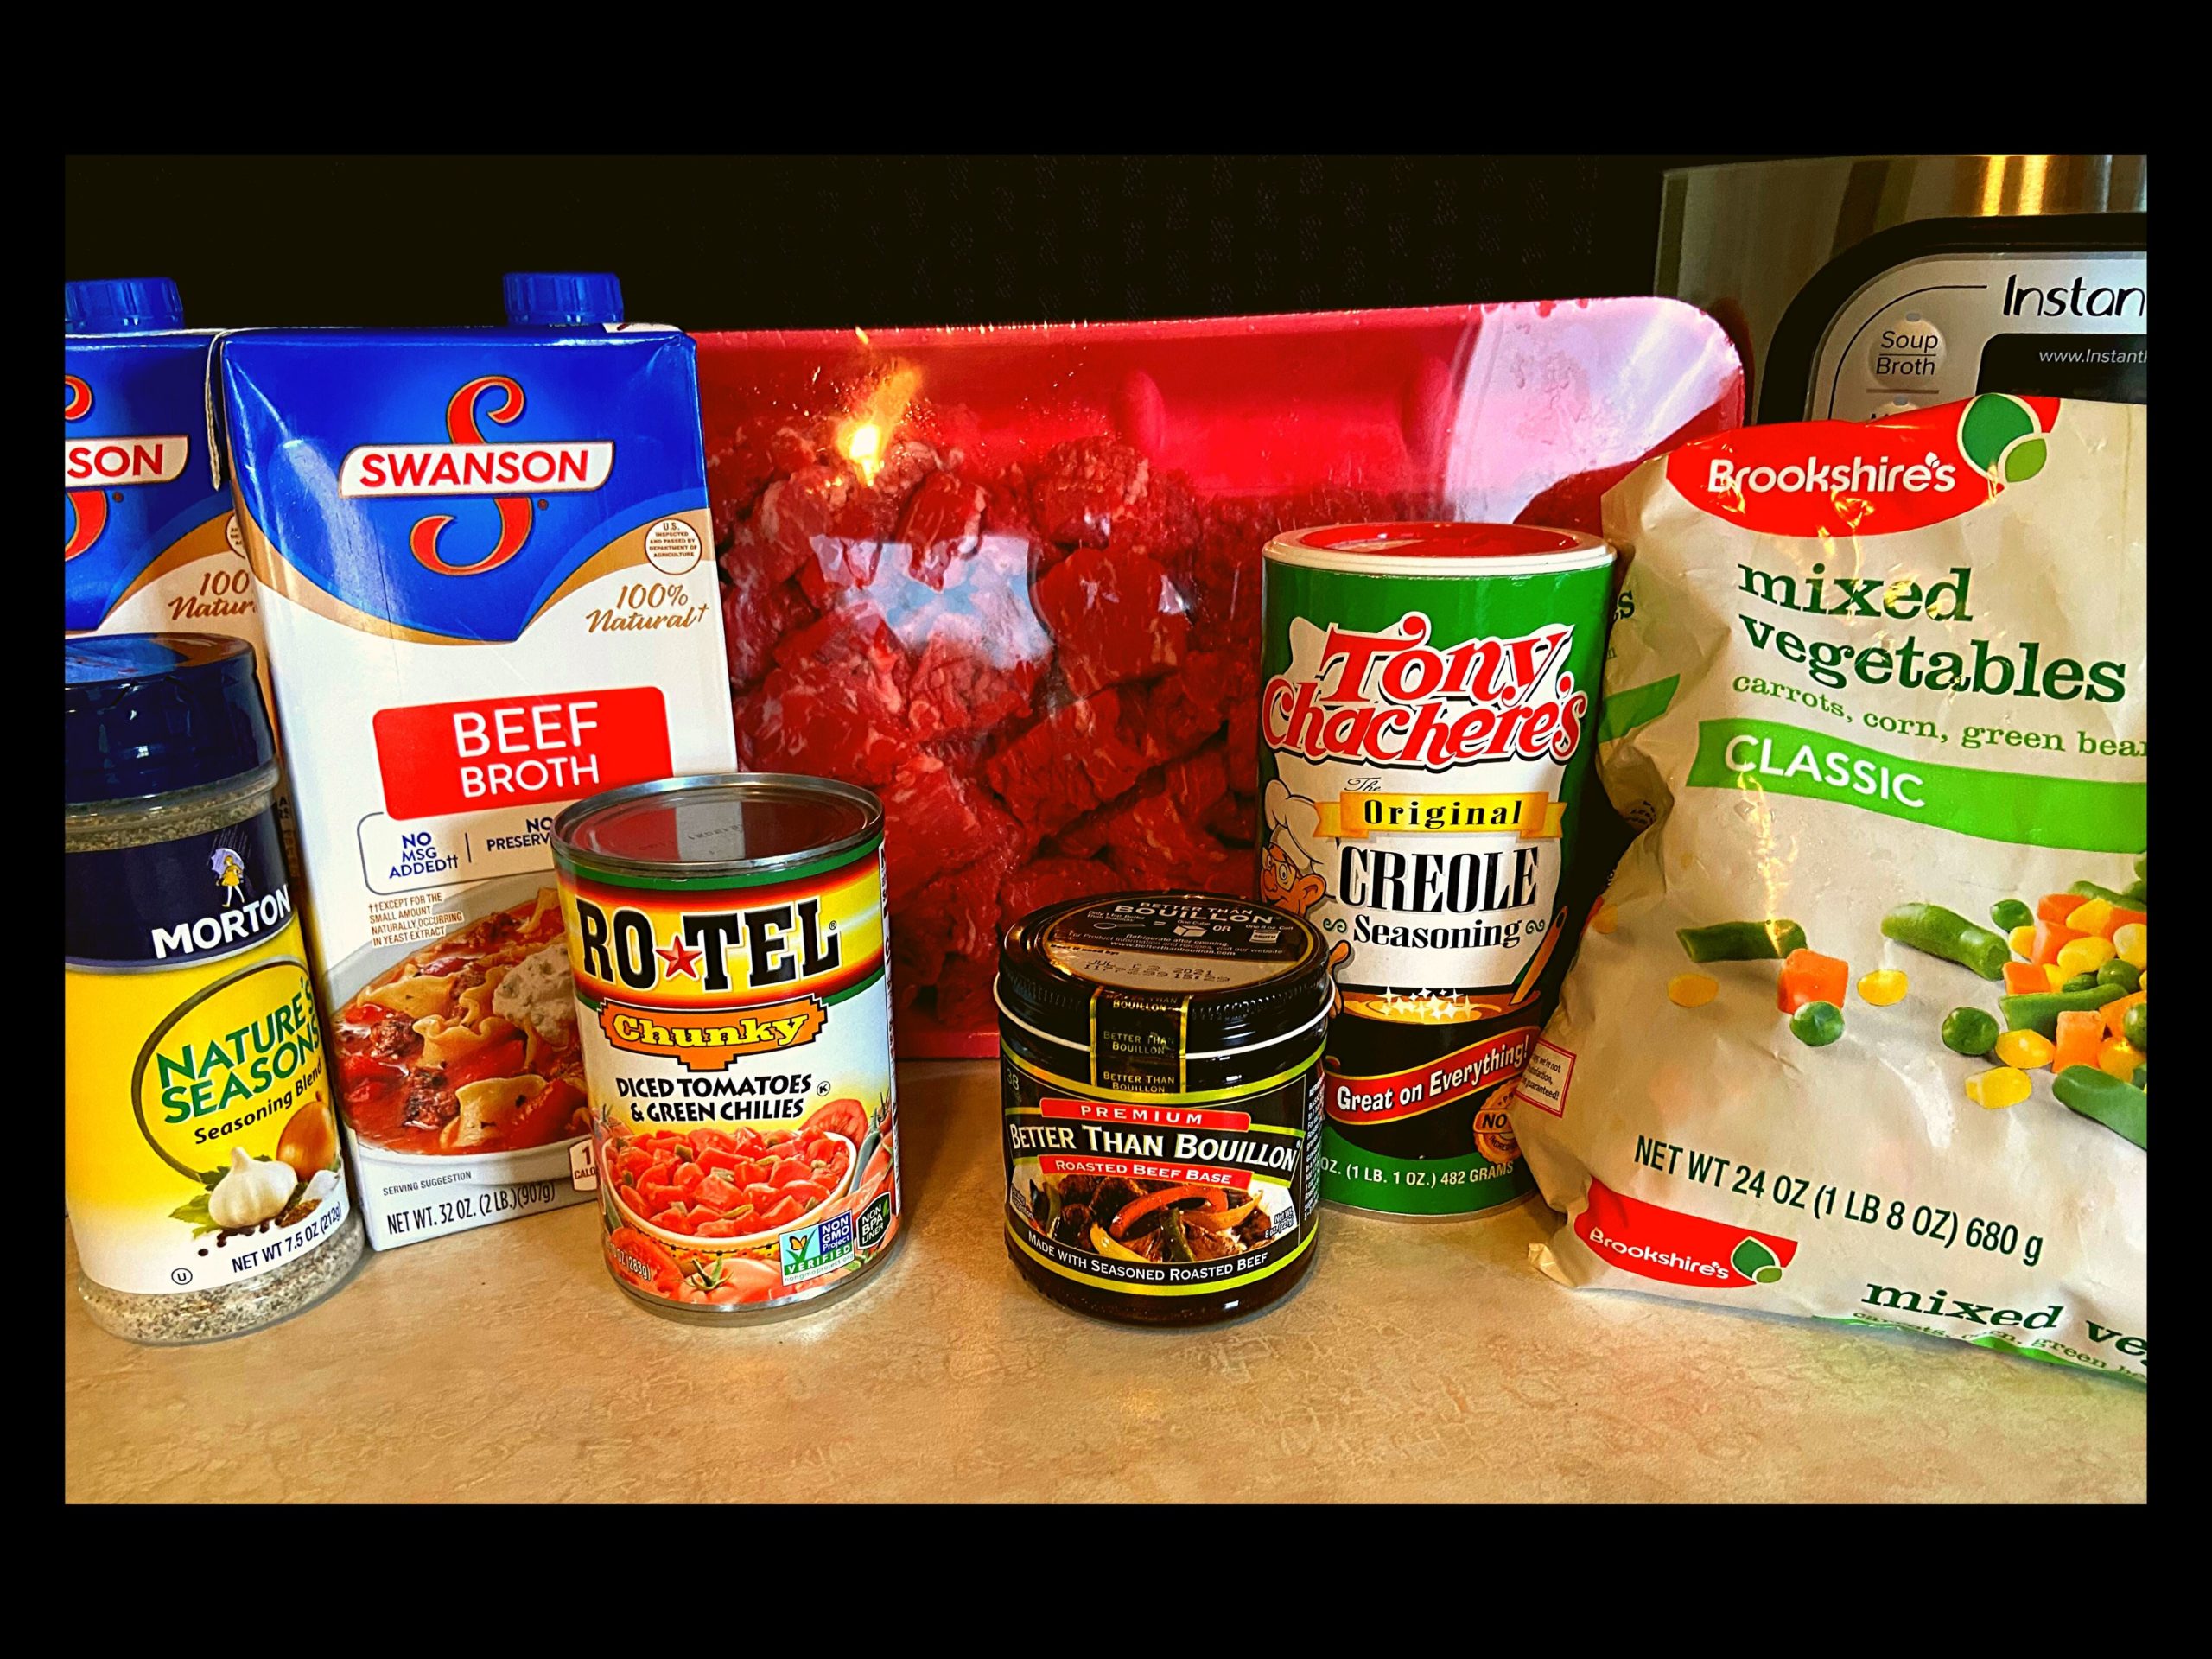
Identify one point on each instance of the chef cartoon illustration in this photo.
(1290, 875)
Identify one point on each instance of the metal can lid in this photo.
(1439, 548)
(731, 824)
(1246, 975)
(147, 714)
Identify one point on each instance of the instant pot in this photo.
(1856, 287)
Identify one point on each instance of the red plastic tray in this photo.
(1522, 412)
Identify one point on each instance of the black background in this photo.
(739, 242)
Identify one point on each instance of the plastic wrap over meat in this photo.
(1008, 578)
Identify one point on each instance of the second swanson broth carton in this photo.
(488, 590)
(147, 539)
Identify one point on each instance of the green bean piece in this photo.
(1947, 934)
(2143, 867)
(2091, 890)
(2138, 894)
(1972, 1032)
(1174, 1243)
(2080, 983)
(1817, 1023)
(2039, 1010)
(2121, 972)
(2120, 1107)
(1768, 941)
(2135, 1025)
(2009, 913)
(2143, 1076)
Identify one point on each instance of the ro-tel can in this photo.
(1425, 729)
(726, 938)
(1160, 1095)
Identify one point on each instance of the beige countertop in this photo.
(1417, 1362)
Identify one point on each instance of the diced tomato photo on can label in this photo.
(713, 1184)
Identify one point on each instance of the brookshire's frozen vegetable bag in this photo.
(1860, 1030)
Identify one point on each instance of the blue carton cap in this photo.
(562, 299)
(144, 714)
(117, 305)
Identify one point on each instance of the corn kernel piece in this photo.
(1883, 987)
(2085, 955)
(2024, 1049)
(2132, 941)
(2120, 1058)
(1606, 919)
(1999, 1087)
(1692, 990)
(2056, 975)
(2091, 917)
(2023, 941)
(2143, 984)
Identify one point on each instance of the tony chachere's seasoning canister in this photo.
(201, 1159)
(727, 939)
(1160, 1087)
(1426, 725)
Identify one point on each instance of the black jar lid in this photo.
(1245, 974)
(143, 714)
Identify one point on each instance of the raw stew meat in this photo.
(1045, 665)
(469, 1045)
(711, 1183)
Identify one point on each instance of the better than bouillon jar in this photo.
(201, 1159)
(1425, 726)
(1160, 1088)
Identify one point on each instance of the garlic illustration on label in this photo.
(250, 1192)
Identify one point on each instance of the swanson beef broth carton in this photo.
(148, 543)
(487, 593)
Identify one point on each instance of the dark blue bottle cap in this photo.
(562, 299)
(120, 305)
(147, 713)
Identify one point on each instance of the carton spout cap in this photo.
(118, 305)
(562, 299)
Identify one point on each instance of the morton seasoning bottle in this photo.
(1160, 1087)
(200, 1158)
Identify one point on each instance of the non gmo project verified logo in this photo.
(813, 1251)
